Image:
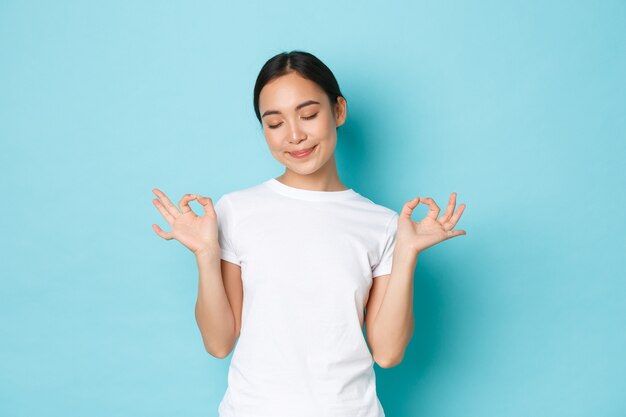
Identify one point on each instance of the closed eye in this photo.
(305, 118)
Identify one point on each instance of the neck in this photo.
(320, 180)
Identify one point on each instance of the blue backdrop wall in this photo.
(517, 106)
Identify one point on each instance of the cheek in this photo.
(326, 125)
(318, 127)
(274, 141)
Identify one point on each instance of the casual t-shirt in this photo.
(307, 262)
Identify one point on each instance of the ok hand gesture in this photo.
(196, 233)
(417, 236)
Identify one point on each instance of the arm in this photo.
(390, 321)
(220, 290)
(214, 314)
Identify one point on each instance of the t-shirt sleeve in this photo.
(225, 214)
(383, 267)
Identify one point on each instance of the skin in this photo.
(389, 312)
(295, 129)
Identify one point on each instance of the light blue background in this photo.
(519, 107)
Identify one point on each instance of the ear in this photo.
(340, 111)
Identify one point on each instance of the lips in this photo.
(302, 153)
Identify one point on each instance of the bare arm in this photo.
(218, 307)
(389, 319)
(391, 323)
(214, 314)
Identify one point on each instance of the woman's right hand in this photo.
(197, 233)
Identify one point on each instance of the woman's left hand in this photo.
(418, 236)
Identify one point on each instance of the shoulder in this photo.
(245, 195)
(379, 212)
(374, 220)
(241, 202)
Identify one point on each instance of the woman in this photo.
(287, 267)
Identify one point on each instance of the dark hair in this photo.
(305, 64)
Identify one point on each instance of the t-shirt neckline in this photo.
(309, 195)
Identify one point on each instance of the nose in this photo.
(297, 134)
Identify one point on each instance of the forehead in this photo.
(288, 91)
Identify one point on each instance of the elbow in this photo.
(388, 359)
(388, 362)
(219, 354)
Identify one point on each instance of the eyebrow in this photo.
(298, 107)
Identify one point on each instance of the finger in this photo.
(183, 204)
(453, 233)
(165, 235)
(207, 204)
(455, 218)
(449, 210)
(166, 214)
(408, 207)
(433, 211)
(166, 203)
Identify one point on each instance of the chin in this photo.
(301, 170)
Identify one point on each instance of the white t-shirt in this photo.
(307, 261)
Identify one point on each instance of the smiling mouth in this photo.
(303, 153)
